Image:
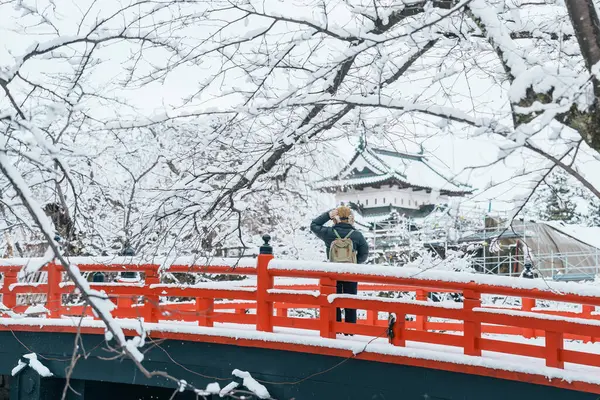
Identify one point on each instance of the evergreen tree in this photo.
(593, 215)
(555, 199)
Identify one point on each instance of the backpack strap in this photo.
(337, 234)
(348, 235)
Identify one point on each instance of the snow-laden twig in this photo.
(251, 383)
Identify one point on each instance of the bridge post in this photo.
(372, 317)
(554, 348)
(281, 311)
(264, 307)
(124, 302)
(205, 309)
(9, 298)
(421, 295)
(398, 326)
(586, 312)
(151, 307)
(327, 312)
(54, 295)
(472, 328)
(527, 304)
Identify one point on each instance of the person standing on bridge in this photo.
(344, 244)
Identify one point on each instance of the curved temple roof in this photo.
(372, 165)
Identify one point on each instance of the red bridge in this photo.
(544, 345)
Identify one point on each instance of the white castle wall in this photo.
(407, 198)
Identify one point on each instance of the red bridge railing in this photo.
(266, 304)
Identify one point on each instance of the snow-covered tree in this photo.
(593, 216)
(556, 199)
(87, 122)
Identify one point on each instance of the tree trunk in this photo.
(586, 24)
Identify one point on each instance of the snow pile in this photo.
(8, 311)
(34, 363)
(36, 309)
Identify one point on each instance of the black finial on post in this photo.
(266, 247)
(128, 251)
(528, 273)
(98, 277)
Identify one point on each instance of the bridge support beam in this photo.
(29, 385)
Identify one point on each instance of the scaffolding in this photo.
(558, 266)
(495, 243)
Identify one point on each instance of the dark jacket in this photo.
(328, 236)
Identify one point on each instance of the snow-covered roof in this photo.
(371, 165)
(585, 234)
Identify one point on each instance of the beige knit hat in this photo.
(343, 214)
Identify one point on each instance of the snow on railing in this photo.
(164, 263)
(441, 279)
(404, 319)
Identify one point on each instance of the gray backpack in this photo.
(342, 249)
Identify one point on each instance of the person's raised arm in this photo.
(362, 252)
(316, 226)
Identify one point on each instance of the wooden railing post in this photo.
(9, 298)
(527, 304)
(326, 310)
(586, 312)
(240, 311)
(372, 317)
(281, 311)
(421, 295)
(264, 282)
(205, 309)
(554, 347)
(54, 295)
(123, 303)
(472, 328)
(151, 306)
(398, 330)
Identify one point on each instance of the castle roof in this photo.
(373, 167)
